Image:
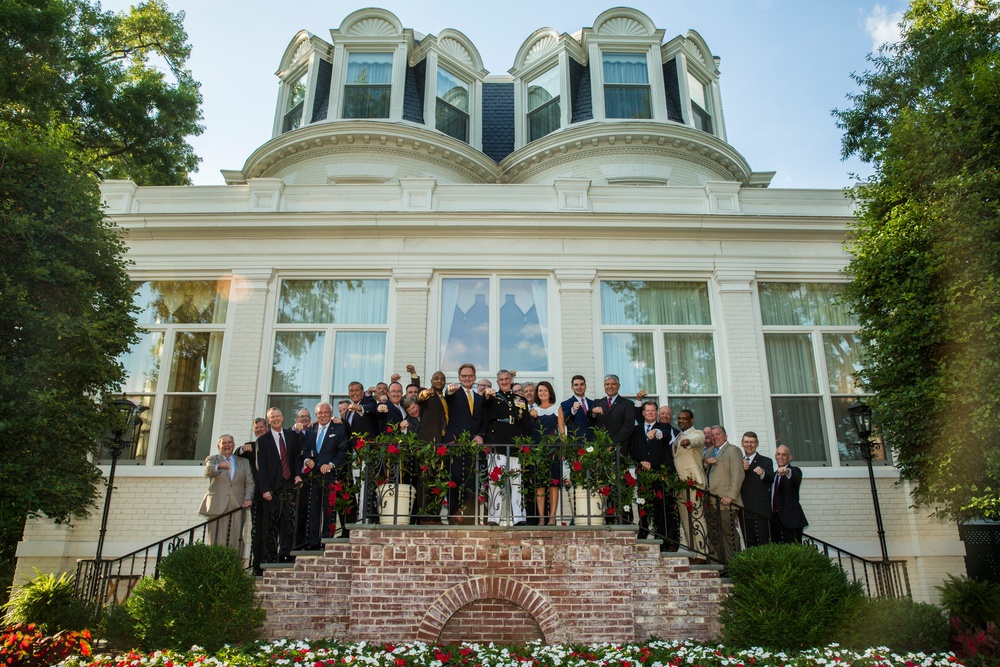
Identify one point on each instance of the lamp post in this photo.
(125, 433)
(862, 416)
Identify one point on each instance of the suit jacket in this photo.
(687, 460)
(786, 499)
(334, 447)
(618, 420)
(755, 493)
(269, 477)
(226, 494)
(579, 425)
(392, 415)
(726, 479)
(656, 450)
(365, 425)
(433, 418)
(460, 419)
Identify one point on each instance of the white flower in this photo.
(640, 501)
(590, 450)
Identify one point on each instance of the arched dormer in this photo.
(547, 70)
(453, 85)
(369, 66)
(304, 83)
(692, 76)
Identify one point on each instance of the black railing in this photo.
(507, 485)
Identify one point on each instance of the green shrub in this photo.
(204, 596)
(117, 628)
(48, 602)
(975, 601)
(897, 623)
(786, 597)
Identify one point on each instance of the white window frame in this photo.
(654, 73)
(397, 84)
(302, 57)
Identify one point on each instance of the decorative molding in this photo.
(451, 47)
(575, 279)
(412, 278)
(541, 48)
(418, 193)
(571, 194)
(723, 197)
(253, 279)
(622, 26)
(117, 196)
(735, 280)
(372, 27)
(265, 194)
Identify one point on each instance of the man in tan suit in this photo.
(686, 448)
(725, 481)
(231, 487)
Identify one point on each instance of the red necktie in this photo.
(286, 468)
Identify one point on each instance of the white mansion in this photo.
(583, 213)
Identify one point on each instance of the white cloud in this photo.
(882, 26)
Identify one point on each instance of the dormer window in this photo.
(294, 105)
(626, 86)
(368, 88)
(544, 111)
(451, 114)
(701, 115)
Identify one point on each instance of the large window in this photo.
(544, 113)
(626, 86)
(700, 103)
(328, 333)
(812, 365)
(368, 86)
(452, 110)
(658, 336)
(294, 104)
(495, 323)
(174, 368)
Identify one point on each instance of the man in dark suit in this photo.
(433, 410)
(391, 410)
(788, 519)
(362, 413)
(614, 414)
(324, 450)
(575, 410)
(465, 415)
(755, 493)
(278, 462)
(650, 450)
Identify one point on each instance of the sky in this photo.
(785, 64)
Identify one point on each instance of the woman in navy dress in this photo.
(550, 419)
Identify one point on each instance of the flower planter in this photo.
(588, 507)
(393, 511)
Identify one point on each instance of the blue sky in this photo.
(785, 64)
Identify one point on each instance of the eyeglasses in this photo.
(466, 375)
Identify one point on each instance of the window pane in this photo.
(142, 363)
(648, 302)
(543, 89)
(625, 68)
(358, 355)
(298, 361)
(843, 363)
(804, 304)
(630, 357)
(196, 359)
(453, 90)
(790, 363)
(295, 104)
(369, 68)
(451, 121)
(626, 86)
(847, 437)
(798, 424)
(187, 428)
(465, 322)
(333, 301)
(707, 411)
(524, 325)
(182, 301)
(696, 89)
(690, 364)
(137, 453)
(544, 120)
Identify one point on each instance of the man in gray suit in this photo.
(231, 487)
(725, 480)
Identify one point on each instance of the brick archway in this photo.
(489, 588)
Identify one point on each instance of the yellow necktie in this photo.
(469, 396)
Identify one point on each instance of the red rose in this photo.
(496, 473)
(581, 451)
(629, 479)
(345, 496)
(688, 504)
(642, 512)
(392, 449)
(436, 491)
(337, 486)
(389, 429)
(659, 494)
(423, 468)
(697, 494)
(606, 491)
(451, 484)
(359, 444)
(481, 499)
(555, 482)
(610, 510)
(525, 449)
(442, 450)
(576, 466)
(690, 481)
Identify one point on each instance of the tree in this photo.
(926, 249)
(81, 100)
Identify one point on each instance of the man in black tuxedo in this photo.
(465, 415)
(324, 450)
(576, 409)
(279, 461)
(614, 414)
(788, 519)
(650, 450)
(755, 494)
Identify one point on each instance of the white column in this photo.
(412, 309)
(579, 345)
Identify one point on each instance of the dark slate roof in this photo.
(322, 102)
(413, 93)
(498, 120)
(579, 87)
(673, 91)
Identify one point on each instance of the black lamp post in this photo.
(862, 416)
(125, 433)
